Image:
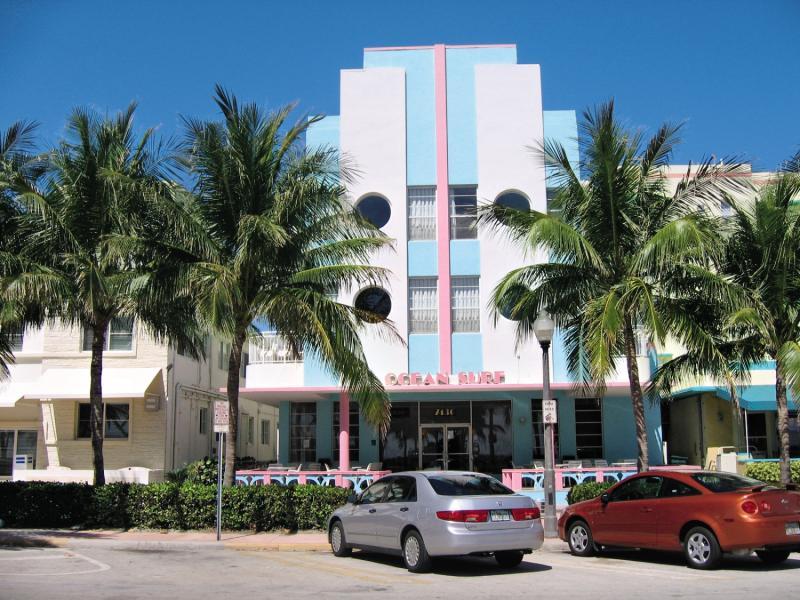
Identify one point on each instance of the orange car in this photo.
(702, 513)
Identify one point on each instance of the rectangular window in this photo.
(466, 305)
(16, 337)
(12, 443)
(422, 213)
(251, 430)
(116, 420)
(119, 336)
(223, 356)
(588, 428)
(463, 212)
(203, 417)
(303, 432)
(243, 365)
(537, 421)
(354, 437)
(423, 306)
(265, 436)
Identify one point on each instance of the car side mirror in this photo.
(604, 498)
(352, 498)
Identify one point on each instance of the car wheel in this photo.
(508, 559)
(579, 538)
(339, 546)
(701, 548)
(415, 556)
(772, 557)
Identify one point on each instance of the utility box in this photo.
(23, 462)
(726, 459)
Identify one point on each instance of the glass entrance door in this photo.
(6, 452)
(445, 447)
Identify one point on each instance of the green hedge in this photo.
(770, 472)
(167, 506)
(586, 491)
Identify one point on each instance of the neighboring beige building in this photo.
(158, 407)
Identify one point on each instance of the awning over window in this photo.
(753, 397)
(66, 384)
(12, 392)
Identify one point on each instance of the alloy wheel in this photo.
(336, 538)
(699, 548)
(411, 551)
(579, 538)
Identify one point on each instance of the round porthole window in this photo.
(513, 200)
(374, 209)
(375, 300)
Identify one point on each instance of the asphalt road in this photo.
(84, 570)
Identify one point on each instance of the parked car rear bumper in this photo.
(767, 532)
(456, 540)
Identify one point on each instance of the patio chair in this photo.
(297, 467)
(574, 464)
(276, 467)
(376, 466)
(600, 462)
(538, 464)
(587, 463)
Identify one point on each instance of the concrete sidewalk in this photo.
(302, 541)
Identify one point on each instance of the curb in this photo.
(277, 547)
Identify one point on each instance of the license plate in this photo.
(793, 529)
(499, 515)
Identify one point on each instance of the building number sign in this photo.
(444, 412)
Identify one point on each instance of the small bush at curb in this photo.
(167, 506)
(586, 491)
(770, 472)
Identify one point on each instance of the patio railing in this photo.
(272, 348)
(358, 480)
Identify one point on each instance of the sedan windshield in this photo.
(725, 482)
(467, 485)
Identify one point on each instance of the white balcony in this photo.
(273, 362)
(268, 348)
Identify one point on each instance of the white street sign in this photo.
(549, 411)
(221, 424)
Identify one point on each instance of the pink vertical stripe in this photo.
(442, 208)
(344, 432)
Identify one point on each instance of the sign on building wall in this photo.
(221, 423)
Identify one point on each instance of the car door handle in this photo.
(372, 510)
(404, 509)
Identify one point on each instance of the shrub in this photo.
(770, 472)
(279, 510)
(203, 471)
(110, 506)
(586, 491)
(154, 506)
(44, 504)
(314, 504)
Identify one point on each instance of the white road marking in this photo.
(62, 555)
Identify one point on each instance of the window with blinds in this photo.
(463, 212)
(422, 305)
(466, 305)
(422, 213)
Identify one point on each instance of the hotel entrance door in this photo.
(445, 447)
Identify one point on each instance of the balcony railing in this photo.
(270, 348)
(358, 480)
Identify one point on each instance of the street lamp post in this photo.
(543, 328)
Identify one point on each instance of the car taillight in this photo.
(525, 514)
(765, 506)
(464, 516)
(749, 507)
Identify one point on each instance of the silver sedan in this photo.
(422, 514)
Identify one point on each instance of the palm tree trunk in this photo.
(234, 364)
(783, 423)
(636, 396)
(96, 400)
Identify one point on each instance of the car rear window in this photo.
(725, 482)
(467, 485)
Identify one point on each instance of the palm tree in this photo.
(102, 180)
(270, 236)
(762, 257)
(625, 255)
(16, 145)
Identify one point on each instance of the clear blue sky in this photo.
(730, 69)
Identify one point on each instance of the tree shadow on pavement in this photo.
(20, 540)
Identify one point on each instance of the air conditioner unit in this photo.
(23, 462)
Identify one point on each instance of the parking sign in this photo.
(221, 423)
(549, 411)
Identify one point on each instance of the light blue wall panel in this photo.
(562, 126)
(324, 429)
(465, 257)
(314, 373)
(522, 453)
(467, 352)
(423, 353)
(420, 109)
(323, 133)
(284, 428)
(422, 256)
(462, 151)
(655, 437)
(619, 431)
(566, 425)
(368, 450)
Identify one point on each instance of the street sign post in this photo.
(221, 426)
